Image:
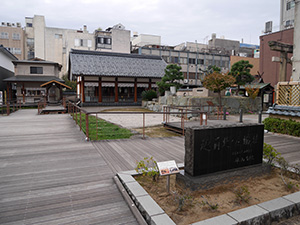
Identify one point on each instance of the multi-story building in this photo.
(287, 14)
(191, 62)
(12, 38)
(54, 44)
(113, 39)
(140, 40)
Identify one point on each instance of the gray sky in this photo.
(174, 20)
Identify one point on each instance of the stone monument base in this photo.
(207, 181)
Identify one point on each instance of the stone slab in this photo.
(251, 215)
(223, 219)
(295, 197)
(135, 189)
(162, 219)
(129, 172)
(126, 178)
(148, 207)
(279, 208)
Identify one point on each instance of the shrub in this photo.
(148, 95)
(148, 167)
(242, 194)
(277, 125)
(270, 154)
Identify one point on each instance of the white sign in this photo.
(167, 167)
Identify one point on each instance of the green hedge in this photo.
(281, 126)
(148, 95)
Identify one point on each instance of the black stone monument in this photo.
(210, 149)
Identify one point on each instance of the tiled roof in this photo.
(284, 110)
(116, 64)
(20, 78)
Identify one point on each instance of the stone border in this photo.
(263, 213)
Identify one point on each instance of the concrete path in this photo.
(50, 175)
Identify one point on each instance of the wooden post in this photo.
(87, 126)
(23, 92)
(150, 86)
(135, 89)
(116, 90)
(80, 119)
(82, 89)
(205, 118)
(201, 119)
(7, 108)
(100, 90)
(73, 111)
(76, 115)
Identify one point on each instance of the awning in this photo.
(57, 82)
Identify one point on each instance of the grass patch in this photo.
(157, 131)
(127, 110)
(102, 130)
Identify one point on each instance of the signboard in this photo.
(167, 167)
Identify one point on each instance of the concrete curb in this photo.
(263, 213)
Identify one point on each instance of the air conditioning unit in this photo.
(185, 81)
(268, 28)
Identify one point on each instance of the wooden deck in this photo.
(50, 175)
(123, 155)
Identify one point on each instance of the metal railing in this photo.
(10, 107)
(41, 105)
(81, 118)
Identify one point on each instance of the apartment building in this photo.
(54, 44)
(193, 63)
(12, 38)
(113, 39)
(287, 14)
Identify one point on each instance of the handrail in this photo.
(73, 110)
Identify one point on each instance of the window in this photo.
(201, 61)
(30, 41)
(83, 43)
(4, 35)
(30, 54)
(290, 5)
(192, 61)
(58, 36)
(16, 36)
(89, 43)
(174, 59)
(28, 24)
(36, 70)
(17, 51)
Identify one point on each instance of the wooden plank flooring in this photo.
(124, 154)
(50, 175)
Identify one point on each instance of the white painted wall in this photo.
(296, 50)
(5, 62)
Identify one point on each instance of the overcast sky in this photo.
(176, 21)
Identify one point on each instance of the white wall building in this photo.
(287, 14)
(113, 39)
(54, 44)
(140, 40)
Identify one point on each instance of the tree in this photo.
(212, 69)
(172, 77)
(241, 71)
(217, 82)
(71, 84)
